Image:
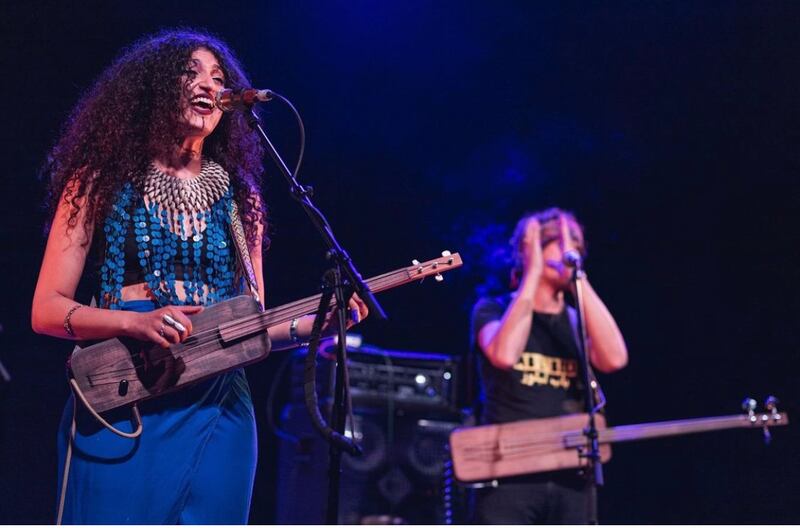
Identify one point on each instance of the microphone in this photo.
(230, 99)
(573, 258)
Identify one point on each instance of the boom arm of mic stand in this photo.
(301, 195)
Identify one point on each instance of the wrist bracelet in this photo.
(67, 323)
(293, 331)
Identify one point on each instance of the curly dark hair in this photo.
(131, 116)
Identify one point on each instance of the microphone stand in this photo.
(594, 474)
(346, 279)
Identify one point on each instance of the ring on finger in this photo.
(354, 315)
(171, 322)
(161, 331)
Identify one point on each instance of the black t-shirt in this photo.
(545, 382)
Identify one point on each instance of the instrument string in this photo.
(250, 324)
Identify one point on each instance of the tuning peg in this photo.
(446, 254)
(771, 404)
(439, 278)
(749, 406)
(418, 265)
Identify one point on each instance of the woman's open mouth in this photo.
(202, 104)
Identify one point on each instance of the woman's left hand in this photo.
(357, 311)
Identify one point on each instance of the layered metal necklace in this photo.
(192, 194)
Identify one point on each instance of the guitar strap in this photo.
(245, 263)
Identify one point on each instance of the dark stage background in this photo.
(670, 128)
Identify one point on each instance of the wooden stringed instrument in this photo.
(225, 336)
(489, 452)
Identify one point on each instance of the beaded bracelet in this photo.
(67, 323)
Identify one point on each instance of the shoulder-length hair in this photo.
(516, 243)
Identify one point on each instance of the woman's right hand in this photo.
(152, 326)
(532, 249)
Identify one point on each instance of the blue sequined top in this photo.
(193, 247)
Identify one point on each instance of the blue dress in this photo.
(195, 460)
